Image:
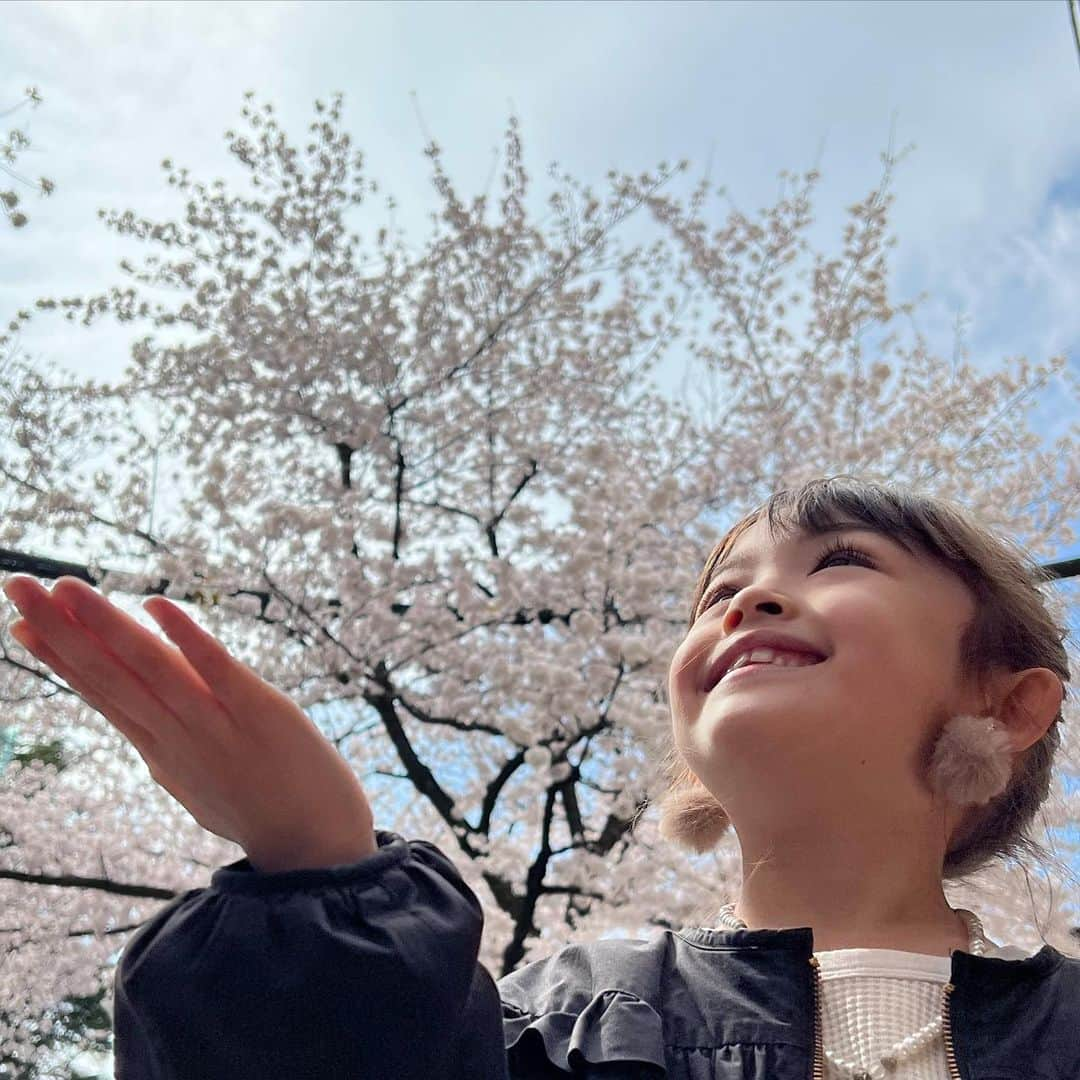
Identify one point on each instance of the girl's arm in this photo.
(324, 952)
(355, 971)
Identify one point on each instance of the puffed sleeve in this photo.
(585, 1010)
(363, 970)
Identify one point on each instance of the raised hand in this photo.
(245, 760)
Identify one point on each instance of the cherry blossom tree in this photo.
(433, 494)
(13, 145)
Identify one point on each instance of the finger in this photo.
(135, 733)
(93, 666)
(234, 684)
(165, 669)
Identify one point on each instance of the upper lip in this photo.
(755, 639)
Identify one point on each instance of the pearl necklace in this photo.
(907, 1047)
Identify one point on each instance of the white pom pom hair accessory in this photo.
(972, 760)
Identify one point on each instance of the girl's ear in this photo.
(1029, 704)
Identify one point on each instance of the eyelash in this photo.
(838, 547)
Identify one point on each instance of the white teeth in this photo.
(778, 657)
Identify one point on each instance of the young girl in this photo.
(868, 693)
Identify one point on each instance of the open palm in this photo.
(239, 754)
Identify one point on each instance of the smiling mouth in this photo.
(786, 668)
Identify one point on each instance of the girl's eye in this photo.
(838, 551)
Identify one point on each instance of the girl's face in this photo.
(851, 732)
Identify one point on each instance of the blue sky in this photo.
(987, 206)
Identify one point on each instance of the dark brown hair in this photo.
(1012, 630)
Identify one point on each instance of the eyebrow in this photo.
(739, 562)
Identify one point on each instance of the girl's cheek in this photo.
(681, 671)
(675, 674)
